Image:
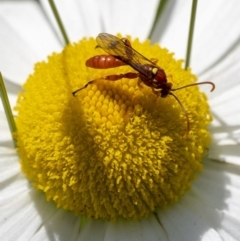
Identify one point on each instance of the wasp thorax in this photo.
(161, 76)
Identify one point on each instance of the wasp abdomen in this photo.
(104, 62)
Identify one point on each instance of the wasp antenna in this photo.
(200, 83)
(185, 113)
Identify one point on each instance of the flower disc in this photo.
(115, 149)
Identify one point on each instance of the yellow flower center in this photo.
(114, 149)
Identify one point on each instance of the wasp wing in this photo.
(119, 49)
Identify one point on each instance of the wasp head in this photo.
(166, 89)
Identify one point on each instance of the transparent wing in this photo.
(118, 48)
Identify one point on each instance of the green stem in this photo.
(190, 34)
(59, 22)
(7, 109)
(161, 5)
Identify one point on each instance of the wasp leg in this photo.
(85, 86)
(156, 92)
(126, 42)
(169, 76)
(114, 77)
(128, 49)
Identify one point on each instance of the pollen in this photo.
(116, 149)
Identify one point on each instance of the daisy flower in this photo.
(69, 129)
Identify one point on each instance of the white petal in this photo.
(134, 18)
(226, 112)
(152, 230)
(16, 206)
(5, 137)
(213, 39)
(92, 17)
(22, 206)
(87, 233)
(219, 187)
(79, 18)
(20, 213)
(10, 178)
(210, 211)
(184, 222)
(172, 30)
(192, 219)
(12, 100)
(123, 230)
(26, 37)
(17, 59)
(61, 225)
(215, 30)
(146, 229)
(229, 227)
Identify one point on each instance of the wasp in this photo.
(120, 52)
